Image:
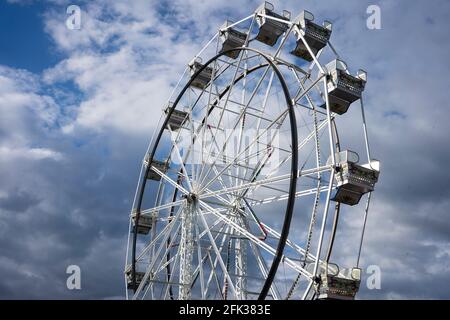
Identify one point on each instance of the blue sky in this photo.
(72, 139)
(25, 22)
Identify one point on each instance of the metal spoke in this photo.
(251, 237)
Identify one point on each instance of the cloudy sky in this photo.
(77, 108)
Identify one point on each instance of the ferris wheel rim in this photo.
(294, 168)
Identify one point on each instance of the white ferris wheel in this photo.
(245, 177)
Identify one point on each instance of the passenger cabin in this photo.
(270, 29)
(176, 119)
(129, 277)
(315, 35)
(202, 80)
(343, 88)
(231, 38)
(352, 179)
(145, 221)
(338, 284)
(159, 165)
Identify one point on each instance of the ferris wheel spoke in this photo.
(177, 255)
(312, 85)
(222, 183)
(217, 252)
(191, 149)
(285, 196)
(220, 179)
(234, 63)
(301, 145)
(214, 263)
(203, 260)
(258, 126)
(180, 160)
(301, 251)
(266, 96)
(233, 162)
(169, 180)
(217, 222)
(244, 186)
(217, 72)
(258, 114)
(306, 75)
(274, 233)
(240, 154)
(264, 269)
(244, 108)
(149, 269)
(168, 262)
(153, 275)
(159, 267)
(241, 121)
(200, 263)
(260, 261)
(164, 206)
(230, 88)
(215, 167)
(284, 177)
(261, 163)
(167, 230)
(205, 122)
(172, 275)
(215, 105)
(257, 241)
(152, 280)
(257, 202)
(213, 274)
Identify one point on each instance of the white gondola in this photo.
(269, 29)
(159, 165)
(201, 81)
(145, 221)
(352, 179)
(343, 88)
(176, 119)
(129, 277)
(338, 284)
(231, 38)
(315, 35)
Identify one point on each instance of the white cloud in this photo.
(122, 60)
(10, 154)
(25, 111)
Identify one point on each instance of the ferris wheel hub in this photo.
(191, 197)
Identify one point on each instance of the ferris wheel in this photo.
(245, 177)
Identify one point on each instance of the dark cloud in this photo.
(18, 201)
